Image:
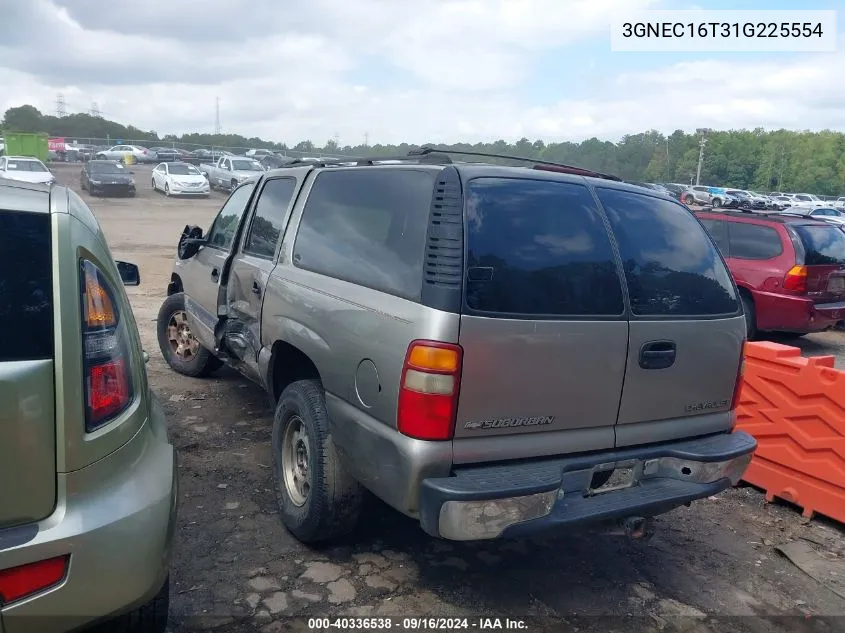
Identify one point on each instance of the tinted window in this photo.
(267, 219)
(26, 292)
(538, 248)
(223, 230)
(246, 165)
(718, 230)
(26, 165)
(367, 227)
(671, 266)
(822, 244)
(753, 241)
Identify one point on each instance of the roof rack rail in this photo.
(538, 164)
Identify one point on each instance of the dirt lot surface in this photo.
(710, 567)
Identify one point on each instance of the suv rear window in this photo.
(671, 265)
(538, 248)
(368, 227)
(823, 245)
(26, 292)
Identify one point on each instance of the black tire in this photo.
(716, 203)
(335, 499)
(148, 618)
(688, 200)
(166, 190)
(153, 181)
(234, 184)
(203, 363)
(750, 315)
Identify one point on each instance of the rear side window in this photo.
(718, 230)
(270, 212)
(538, 248)
(26, 292)
(823, 245)
(368, 227)
(754, 241)
(671, 266)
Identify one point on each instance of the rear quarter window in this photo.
(754, 241)
(26, 286)
(368, 227)
(538, 248)
(823, 245)
(671, 265)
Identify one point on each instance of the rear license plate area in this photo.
(609, 478)
(836, 285)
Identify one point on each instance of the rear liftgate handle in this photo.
(657, 354)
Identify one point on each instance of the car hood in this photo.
(111, 179)
(29, 176)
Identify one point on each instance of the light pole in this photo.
(701, 145)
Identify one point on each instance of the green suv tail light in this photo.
(107, 376)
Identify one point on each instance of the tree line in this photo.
(764, 160)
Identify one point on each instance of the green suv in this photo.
(88, 478)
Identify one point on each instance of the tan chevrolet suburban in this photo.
(492, 350)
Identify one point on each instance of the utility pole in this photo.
(217, 128)
(61, 108)
(667, 159)
(95, 110)
(366, 139)
(782, 160)
(701, 143)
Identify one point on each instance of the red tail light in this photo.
(796, 279)
(107, 378)
(740, 372)
(428, 392)
(25, 580)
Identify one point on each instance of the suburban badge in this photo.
(509, 423)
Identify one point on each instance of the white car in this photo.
(119, 152)
(829, 214)
(258, 154)
(178, 179)
(26, 169)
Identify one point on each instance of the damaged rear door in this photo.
(251, 268)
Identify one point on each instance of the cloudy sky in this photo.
(400, 70)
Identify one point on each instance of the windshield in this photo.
(246, 165)
(184, 170)
(823, 245)
(27, 165)
(107, 168)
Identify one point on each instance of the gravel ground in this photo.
(709, 567)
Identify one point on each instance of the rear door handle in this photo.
(256, 289)
(657, 354)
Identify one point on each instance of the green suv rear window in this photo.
(26, 286)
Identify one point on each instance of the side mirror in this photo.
(190, 242)
(129, 273)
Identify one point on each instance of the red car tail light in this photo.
(740, 379)
(796, 279)
(107, 376)
(25, 580)
(428, 392)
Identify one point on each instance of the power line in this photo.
(61, 108)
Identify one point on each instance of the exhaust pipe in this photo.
(635, 528)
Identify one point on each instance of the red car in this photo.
(790, 270)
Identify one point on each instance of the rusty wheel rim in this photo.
(182, 342)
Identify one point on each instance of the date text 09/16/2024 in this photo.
(416, 624)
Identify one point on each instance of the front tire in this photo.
(717, 202)
(318, 499)
(154, 184)
(167, 190)
(234, 186)
(180, 348)
(689, 200)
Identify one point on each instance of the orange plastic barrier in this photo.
(795, 408)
